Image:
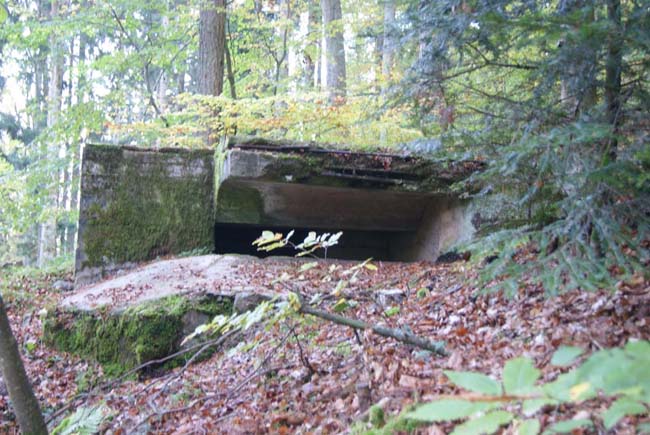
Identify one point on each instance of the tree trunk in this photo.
(25, 404)
(229, 69)
(281, 66)
(310, 49)
(334, 49)
(315, 20)
(47, 233)
(387, 55)
(613, 67)
(163, 80)
(212, 44)
(389, 43)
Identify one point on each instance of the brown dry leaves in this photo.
(482, 331)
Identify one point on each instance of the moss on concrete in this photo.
(239, 204)
(146, 212)
(123, 340)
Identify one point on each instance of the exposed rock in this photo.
(247, 301)
(63, 285)
(390, 297)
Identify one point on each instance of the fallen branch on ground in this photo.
(397, 334)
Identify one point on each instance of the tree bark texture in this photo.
(212, 44)
(212, 47)
(25, 404)
(334, 48)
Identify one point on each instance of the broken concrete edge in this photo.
(126, 338)
(318, 165)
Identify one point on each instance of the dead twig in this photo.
(303, 357)
(397, 334)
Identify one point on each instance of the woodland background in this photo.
(552, 96)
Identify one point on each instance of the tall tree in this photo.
(389, 40)
(21, 394)
(47, 233)
(334, 48)
(212, 46)
(613, 74)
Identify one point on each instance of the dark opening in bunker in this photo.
(353, 244)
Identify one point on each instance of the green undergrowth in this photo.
(123, 340)
(23, 285)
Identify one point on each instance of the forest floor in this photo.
(270, 388)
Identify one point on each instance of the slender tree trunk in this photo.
(334, 49)
(387, 55)
(311, 48)
(315, 35)
(389, 43)
(163, 82)
(47, 234)
(25, 404)
(212, 44)
(229, 65)
(281, 67)
(231, 74)
(613, 67)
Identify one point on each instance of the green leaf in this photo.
(485, 424)
(566, 355)
(448, 410)
(84, 421)
(619, 409)
(531, 406)
(476, 382)
(392, 311)
(561, 387)
(341, 305)
(3, 14)
(340, 286)
(528, 427)
(519, 376)
(643, 428)
(266, 237)
(370, 266)
(568, 426)
(305, 267)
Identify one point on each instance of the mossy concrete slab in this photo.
(145, 314)
(139, 204)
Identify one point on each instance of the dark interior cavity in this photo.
(353, 244)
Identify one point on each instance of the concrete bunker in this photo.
(140, 204)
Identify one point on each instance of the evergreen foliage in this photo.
(553, 96)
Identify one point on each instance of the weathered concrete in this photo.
(404, 201)
(138, 204)
(144, 314)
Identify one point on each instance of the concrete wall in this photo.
(139, 204)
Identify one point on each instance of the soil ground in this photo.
(302, 375)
